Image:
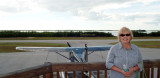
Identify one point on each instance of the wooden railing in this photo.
(77, 70)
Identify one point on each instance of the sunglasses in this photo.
(125, 35)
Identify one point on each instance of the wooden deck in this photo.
(77, 70)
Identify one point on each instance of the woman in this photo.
(124, 54)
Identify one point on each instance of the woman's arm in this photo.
(140, 61)
(110, 59)
(115, 68)
(131, 70)
(135, 68)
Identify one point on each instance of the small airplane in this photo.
(76, 54)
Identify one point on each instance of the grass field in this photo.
(145, 44)
(11, 47)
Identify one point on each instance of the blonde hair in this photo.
(124, 30)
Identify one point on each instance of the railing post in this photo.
(105, 73)
(147, 70)
(82, 74)
(49, 75)
(58, 74)
(158, 72)
(74, 74)
(90, 73)
(97, 73)
(152, 72)
(65, 74)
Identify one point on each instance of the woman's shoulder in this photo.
(134, 46)
(116, 46)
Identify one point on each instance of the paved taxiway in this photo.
(10, 62)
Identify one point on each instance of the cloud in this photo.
(100, 9)
(65, 5)
(154, 19)
(111, 12)
(76, 7)
(14, 6)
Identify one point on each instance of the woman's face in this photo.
(125, 37)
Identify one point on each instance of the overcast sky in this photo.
(79, 14)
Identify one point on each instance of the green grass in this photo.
(146, 37)
(10, 47)
(145, 44)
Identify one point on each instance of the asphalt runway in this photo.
(10, 62)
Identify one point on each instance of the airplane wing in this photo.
(64, 49)
(99, 48)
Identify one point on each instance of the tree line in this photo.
(53, 34)
(136, 33)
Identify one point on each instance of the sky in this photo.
(79, 14)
